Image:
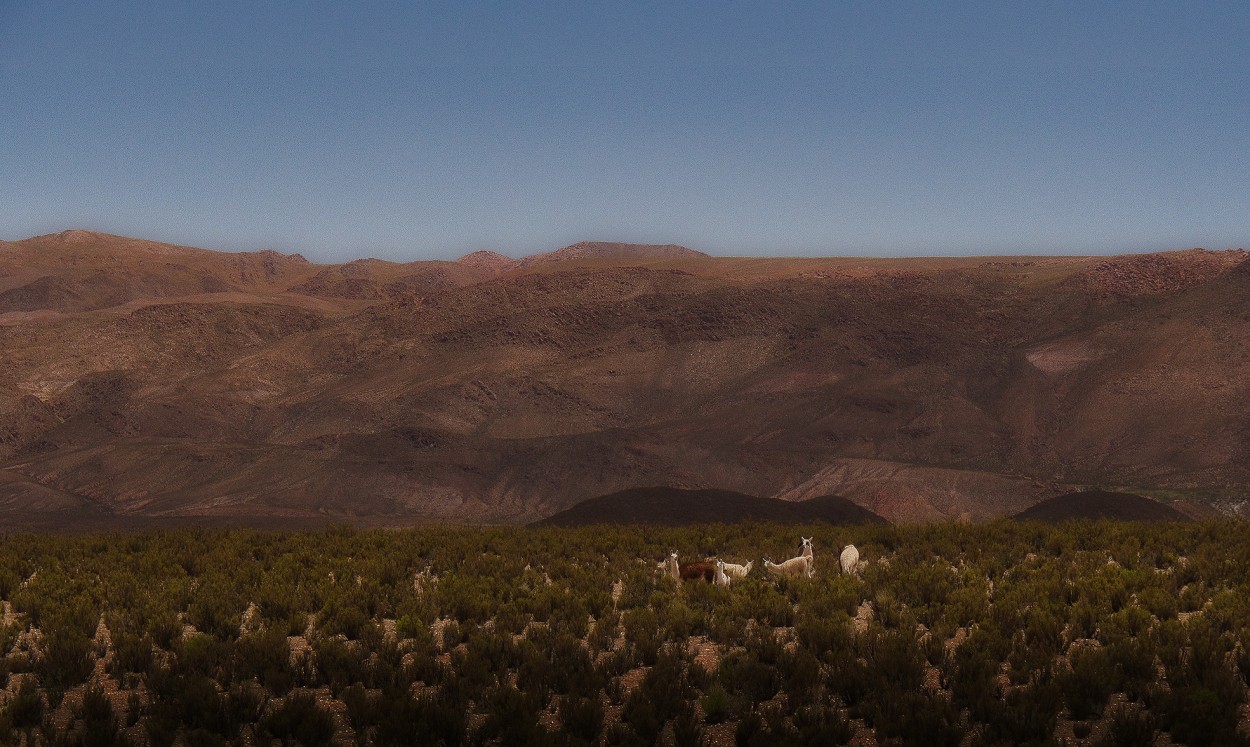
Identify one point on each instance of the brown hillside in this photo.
(146, 379)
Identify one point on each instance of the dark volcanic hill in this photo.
(1099, 504)
(677, 507)
(145, 379)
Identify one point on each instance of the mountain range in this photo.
(141, 380)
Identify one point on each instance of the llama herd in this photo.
(717, 571)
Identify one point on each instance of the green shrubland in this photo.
(983, 634)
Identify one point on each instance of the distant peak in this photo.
(484, 254)
(79, 236)
(619, 249)
(615, 250)
(485, 258)
(275, 254)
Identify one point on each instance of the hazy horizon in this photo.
(430, 132)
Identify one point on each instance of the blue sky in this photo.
(419, 130)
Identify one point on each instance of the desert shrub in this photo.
(1129, 729)
(849, 677)
(717, 706)
(1158, 602)
(971, 673)
(800, 676)
(512, 718)
(577, 671)
(202, 655)
(835, 594)
(1194, 596)
(1228, 610)
(66, 661)
(687, 729)
(412, 626)
(744, 674)
(299, 721)
(1087, 683)
(821, 725)
(100, 727)
(581, 717)
(682, 620)
(659, 697)
(265, 655)
(24, 710)
(536, 673)
(338, 666)
(1134, 659)
(763, 603)
(1207, 653)
(344, 615)
(363, 708)
(1024, 716)
(405, 720)
(907, 718)
(765, 728)
(642, 627)
(889, 612)
(1034, 648)
(1084, 617)
(163, 627)
(132, 652)
(1196, 715)
(894, 657)
(9, 581)
(217, 607)
(602, 634)
(511, 617)
(967, 604)
(190, 702)
(825, 636)
(925, 588)
(571, 617)
(486, 657)
(1130, 622)
(8, 636)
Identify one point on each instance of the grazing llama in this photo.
(792, 568)
(849, 559)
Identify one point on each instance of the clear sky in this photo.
(417, 130)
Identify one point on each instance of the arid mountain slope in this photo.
(145, 379)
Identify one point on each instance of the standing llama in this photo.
(735, 571)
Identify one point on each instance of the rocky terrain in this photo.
(146, 381)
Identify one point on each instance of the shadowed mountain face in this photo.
(1098, 504)
(145, 379)
(675, 507)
